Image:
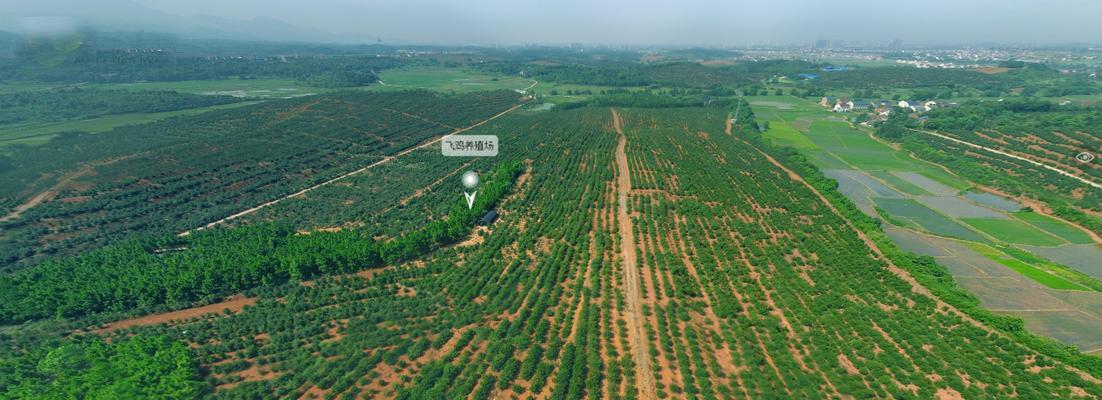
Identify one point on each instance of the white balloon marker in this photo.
(470, 181)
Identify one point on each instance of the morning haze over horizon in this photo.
(499, 22)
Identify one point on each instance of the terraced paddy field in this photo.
(1056, 227)
(927, 218)
(930, 211)
(1013, 231)
(1071, 316)
(993, 201)
(1082, 257)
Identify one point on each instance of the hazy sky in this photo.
(707, 22)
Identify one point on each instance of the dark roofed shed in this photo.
(489, 218)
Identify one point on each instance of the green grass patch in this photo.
(1066, 272)
(940, 176)
(1031, 271)
(856, 147)
(872, 161)
(1013, 231)
(1055, 227)
(40, 133)
(825, 160)
(784, 134)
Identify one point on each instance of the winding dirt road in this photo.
(644, 378)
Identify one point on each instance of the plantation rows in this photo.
(1039, 130)
(1007, 174)
(386, 200)
(182, 173)
(530, 310)
(140, 275)
(755, 289)
(751, 287)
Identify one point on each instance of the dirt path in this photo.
(234, 304)
(728, 124)
(1096, 185)
(34, 201)
(644, 378)
(61, 184)
(350, 174)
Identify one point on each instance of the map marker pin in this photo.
(470, 181)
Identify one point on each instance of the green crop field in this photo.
(899, 183)
(785, 134)
(1013, 231)
(40, 133)
(932, 221)
(1032, 272)
(1055, 227)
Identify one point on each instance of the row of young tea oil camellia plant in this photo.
(173, 270)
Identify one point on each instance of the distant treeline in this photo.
(940, 83)
(119, 66)
(1017, 115)
(73, 60)
(650, 100)
(678, 74)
